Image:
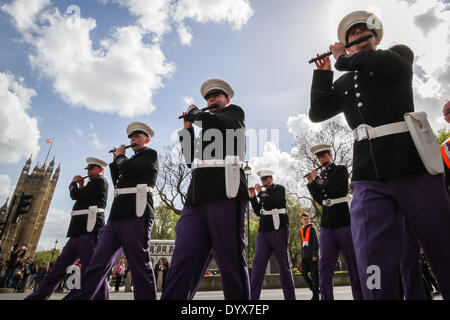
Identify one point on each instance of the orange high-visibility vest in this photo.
(305, 234)
(445, 150)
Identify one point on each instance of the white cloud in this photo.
(188, 100)
(273, 159)
(19, 133)
(95, 141)
(235, 12)
(427, 21)
(123, 74)
(24, 11)
(161, 14)
(120, 77)
(152, 18)
(184, 34)
(5, 188)
(79, 132)
(301, 124)
(55, 227)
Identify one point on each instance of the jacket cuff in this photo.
(120, 159)
(322, 80)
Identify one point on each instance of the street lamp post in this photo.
(54, 249)
(248, 171)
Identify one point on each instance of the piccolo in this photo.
(202, 110)
(348, 45)
(126, 147)
(319, 167)
(85, 177)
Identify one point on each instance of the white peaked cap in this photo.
(139, 126)
(264, 173)
(216, 85)
(96, 161)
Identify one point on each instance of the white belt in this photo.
(331, 202)
(366, 132)
(232, 165)
(216, 163)
(141, 191)
(85, 211)
(92, 216)
(275, 213)
(130, 190)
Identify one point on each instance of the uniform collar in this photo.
(139, 151)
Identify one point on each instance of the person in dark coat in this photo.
(389, 180)
(11, 265)
(330, 189)
(445, 147)
(130, 220)
(161, 267)
(310, 254)
(273, 234)
(213, 217)
(87, 220)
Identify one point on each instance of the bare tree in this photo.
(339, 137)
(173, 178)
(334, 133)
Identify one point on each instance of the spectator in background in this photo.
(18, 274)
(160, 274)
(33, 269)
(118, 274)
(42, 272)
(445, 147)
(310, 254)
(2, 271)
(11, 265)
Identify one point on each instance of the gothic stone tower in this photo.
(28, 208)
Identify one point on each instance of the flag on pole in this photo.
(50, 143)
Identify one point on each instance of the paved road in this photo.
(340, 293)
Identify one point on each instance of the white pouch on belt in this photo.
(232, 176)
(141, 199)
(425, 141)
(92, 218)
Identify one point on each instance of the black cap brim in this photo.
(215, 91)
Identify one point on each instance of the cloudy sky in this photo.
(81, 71)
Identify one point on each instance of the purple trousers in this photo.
(214, 226)
(378, 211)
(81, 247)
(331, 242)
(410, 267)
(133, 237)
(275, 242)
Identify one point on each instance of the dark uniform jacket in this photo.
(208, 184)
(312, 249)
(142, 168)
(94, 193)
(332, 184)
(273, 198)
(376, 90)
